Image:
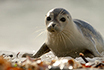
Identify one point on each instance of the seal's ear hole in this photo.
(67, 16)
(63, 19)
(48, 18)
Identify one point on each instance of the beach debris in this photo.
(55, 64)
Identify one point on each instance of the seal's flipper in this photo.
(44, 49)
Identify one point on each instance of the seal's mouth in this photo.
(52, 30)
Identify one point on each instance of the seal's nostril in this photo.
(53, 25)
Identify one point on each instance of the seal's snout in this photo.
(51, 27)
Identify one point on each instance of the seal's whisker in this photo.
(69, 34)
(59, 38)
(40, 33)
(39, 30)
(68, 37)
(63, 38)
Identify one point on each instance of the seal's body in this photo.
(69, 37)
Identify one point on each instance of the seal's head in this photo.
(57, 19)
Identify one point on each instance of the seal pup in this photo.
(69, 37)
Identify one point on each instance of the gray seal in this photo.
(69, 37)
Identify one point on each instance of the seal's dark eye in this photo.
(48, 18)
(63, 19)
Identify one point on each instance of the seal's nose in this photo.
(53, 25)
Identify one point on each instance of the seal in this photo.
(69, 37)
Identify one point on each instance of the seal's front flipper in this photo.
(27, 54)
(44, 49)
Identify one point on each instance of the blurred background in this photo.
(22, 26)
